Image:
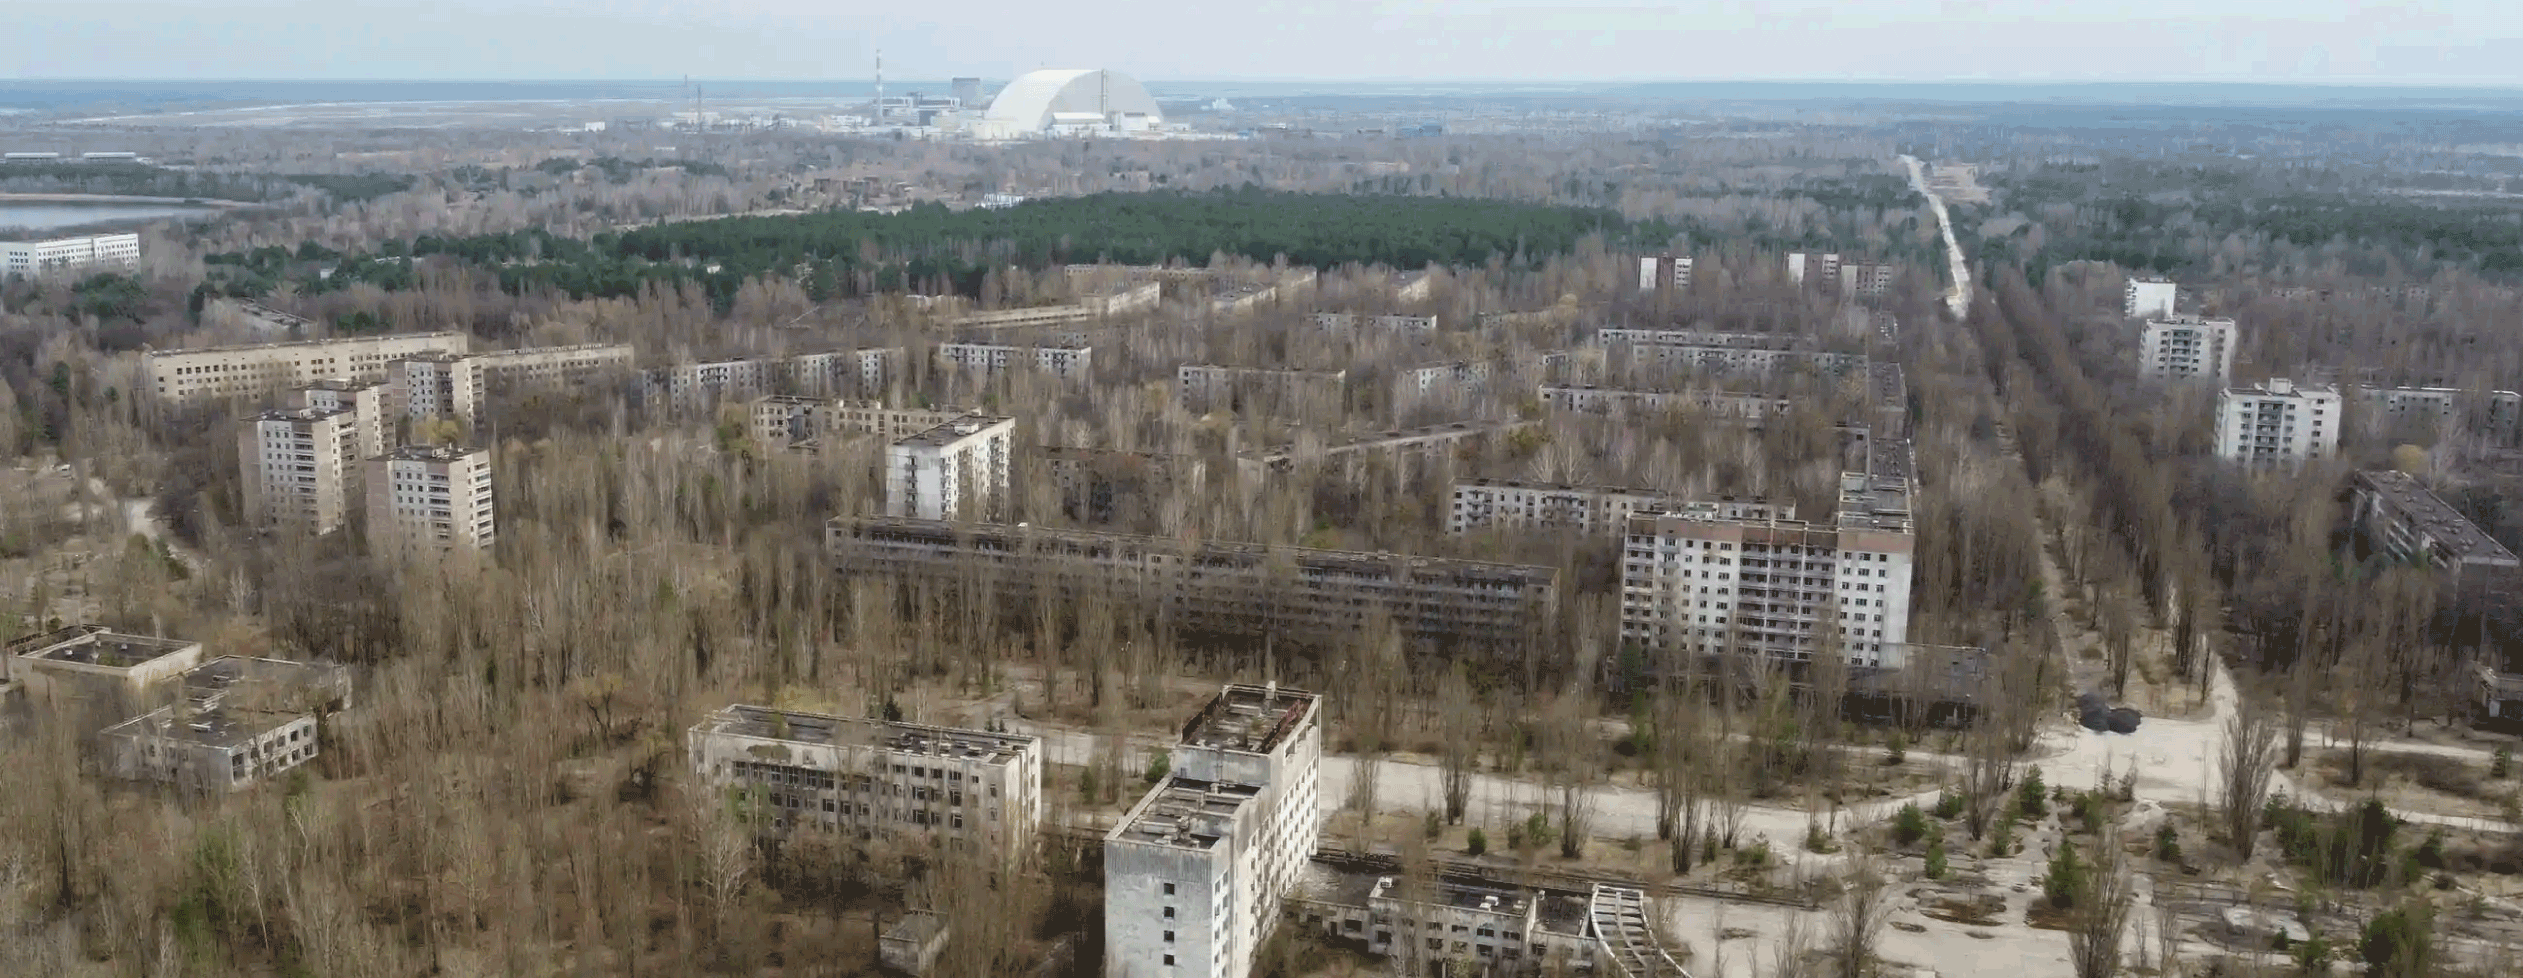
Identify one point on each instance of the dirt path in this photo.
(1957, 295)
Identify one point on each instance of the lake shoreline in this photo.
(8, 198)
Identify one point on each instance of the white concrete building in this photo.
(2148, 298)
(2187, 348)
(955, 471)
(365, 400)
(300, 468)
(422, 496)
(1487, 504)
(1590, 399)
(239, 721)
(1203, 386)
(452, 385)
(1064, 362)
(92, 671)
(188, 376)
(1773, 586)
(2497, 413)
(1823, 268)
(1657, 273)
(863, 373)
(1195, 874)
(968, 789)
(1867, 279)
(2277, 423)
(83, 255)
(1348, 321)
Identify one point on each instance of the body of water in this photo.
(18, 216)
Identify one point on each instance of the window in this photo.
(1169, 913)
(1169, 960)
(1169, 891)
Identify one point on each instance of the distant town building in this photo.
(1235, 588)
(238, 721)
(1589, 399)
(93, 670)
(1403, 444)
(82, 255)
(190, 376)
(2187, 348)
(367, 403)
(300, 467)
(1865, 279)
(1821, 268)
(864, 372)
(425, 497)
(1664, 273)
(1196, 873)
(2496, 413)
(1206, 387)
(2149, 298)
(1064, 362)
(1092, 484)
(968, 789)
(1349, 321)
(787, 421)
(1488, 504)
(452, 385)
(955, 471)
(2277, 423)
(1763, 583)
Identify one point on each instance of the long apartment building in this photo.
(1482, 504)
(955, 471)
(452, 385)
(1590, 399)
(193, 376)
(1235, 588)
(1064, 362)
(1755, 353)
(299, 467)
(2416, 526)
(1776, 587)
(1888, 389)
(2187, 348)
(1399, 445)
(1453, 379)
(369, 405)
(1096, 302)
(2277, 423)
(793, 421)
(423, 497)
(1196, 873)
(970, 790)
(1823, 268)
(1091, 483)
(85, 254)
(2495, 412)
(1350, 321)
(865, 372)
(2148, 298)
(1204, 386)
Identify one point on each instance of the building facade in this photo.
(1706, 584)
(955, 471)
(1197, 872)
(2278, 423)
(92, 670)
(1204, 387)
(300, 468)
(1350, 321)
(1490, 504)
(1064, 362)
(82, 255)
(972, 790)
(431, 497)
(189, 376)
(238, 721)
(2413, 525)
(2187, 349)
(366, 401)
(1234, 588)
(1819, 267)
(1590, 399)
(863, 373)
(452, 385)
(1662, 273)
(2148, 298)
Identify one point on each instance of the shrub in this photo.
(2167, 843)
(1909, 825)
(1432, 826)
(1476, 843)
(2066, 877)
(2502, 763)
(1896, 749)
(1756, 854)
(2400, 942)
(1948, 805)
(1537, 830)
(1936, 859)
(1160, 764)
(1817, 840)
(2312, 955)
(1515, 836)
(2031, 798)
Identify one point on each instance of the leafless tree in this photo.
(2101, 918)
(1859, 914)
(2245, 766)
(1458, 747)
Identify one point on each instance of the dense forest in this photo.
(143, 180)
(845, 253)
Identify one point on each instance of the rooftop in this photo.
(1459, 895)
(265, 684)
(957, 430)
(2424, 511)
(307, 344)
(1185, 813)
(342, 385)
(301, 414)
(219, 726)
(430, 453)
(999, 538)
(95, 646)
(825, 729)
(1250, 719)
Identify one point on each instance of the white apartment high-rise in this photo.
(300, 467)
(1706, 584)
(365, 401)
(431, 496)
(955, 471)
(2277, 423)
(1658, 272)
(78, 255)
(1824, 268)
(2149, 298)
(181, 376)
(1195, 874)
(2187, 348)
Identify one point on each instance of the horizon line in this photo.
(2353, 82)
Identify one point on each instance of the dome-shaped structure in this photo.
(1039, 100)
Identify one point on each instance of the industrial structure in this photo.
(970, 790)
(1196, 873)
(1069, 102)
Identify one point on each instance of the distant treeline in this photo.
(142, 180)
(2167, 218)
(928, 247)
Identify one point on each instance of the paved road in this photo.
(1958, 295)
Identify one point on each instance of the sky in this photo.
(2450, 42)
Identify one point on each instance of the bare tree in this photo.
(1458, 748)
(2101, 917)
(725, 853)
(2167, 937)
(2244, 768)
(1859, 914)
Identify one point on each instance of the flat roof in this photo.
(95, 646)
(219, 726)
(293, 344)
(2414, 505)
(950, 432)
(1460, 895)
(1185, 813)
(797, 726)
(430, 453)
(1251, 719)
(300, 414)
(1001, 537)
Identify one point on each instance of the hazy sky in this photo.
(2337, 41)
